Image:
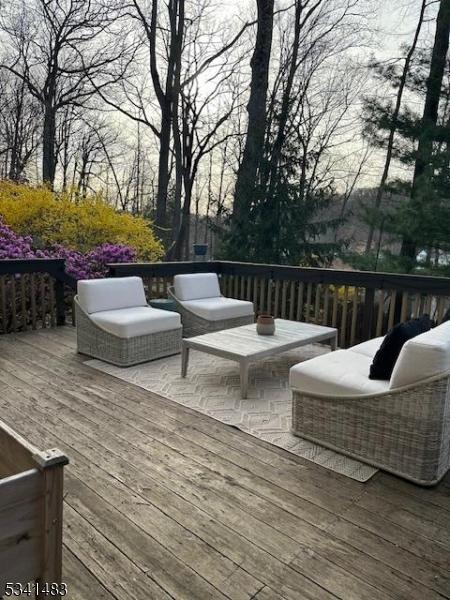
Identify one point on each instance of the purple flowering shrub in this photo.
(93, 264)
(13, 245)
(90, 265)
(99, 257)
(79, 265)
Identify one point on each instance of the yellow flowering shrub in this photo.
(79, 225)
(341, 292)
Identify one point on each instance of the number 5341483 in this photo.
(31, 589)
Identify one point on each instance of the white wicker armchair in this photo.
(403, 428)
(203, 308)
(115, 324)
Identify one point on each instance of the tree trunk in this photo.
(167, 97)
(183, 234)
(48, 146)
(163, 167)
(286, 101)
(393, 128)
(430, 115)
(176, 221)
(208, 204)
(247, 175)
(17, 139)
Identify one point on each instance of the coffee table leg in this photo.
(244, 367)
(333, 343)
(184, 359)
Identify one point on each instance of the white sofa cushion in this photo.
(111, 293)
(423, 356)
(140, 320)
(196, 285)
(216, 309)
(369, 348)
(340, 373)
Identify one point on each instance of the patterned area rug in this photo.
(212, 388)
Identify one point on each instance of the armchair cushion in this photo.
(340, 373)
(384, 360)
(217, 309)
(196, 285)
(132, 322)
(424, 356)
(369, 348)
(111, 293)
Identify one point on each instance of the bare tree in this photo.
(19, 122)
(196, 145)
(201, 121)
(257, 116)
(307, 120)
(167, 31)
(166, 88)
(61, 51)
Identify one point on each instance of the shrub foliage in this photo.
(80, 225)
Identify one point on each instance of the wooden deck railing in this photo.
(37, 293)
(360, 304)
(34, 293)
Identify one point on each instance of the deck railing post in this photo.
(368, 314)
(52, 464)
(59, 295)
(60, 303)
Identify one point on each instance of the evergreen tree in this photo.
(288, 218)
(420, 218)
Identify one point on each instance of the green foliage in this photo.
(285, 229)
(421, 215)
(382, 261)
(288, 218)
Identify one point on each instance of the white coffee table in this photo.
(245, 346)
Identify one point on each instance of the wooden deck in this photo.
(162, 502)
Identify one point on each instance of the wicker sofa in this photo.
(203, 308)
(115, 324)
(401, 425)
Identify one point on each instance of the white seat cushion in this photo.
(132, 322)
(111, 293)
(423, 356)
(196, 285)
(216, 309)
(340, 373)
(369, 348)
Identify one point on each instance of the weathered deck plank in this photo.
(165, 503)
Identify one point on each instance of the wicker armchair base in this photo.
(405, 431)
(194, 325)
(123, 352)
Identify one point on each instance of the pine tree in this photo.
(288, 220)
(420, 221)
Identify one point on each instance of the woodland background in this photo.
(303, 132)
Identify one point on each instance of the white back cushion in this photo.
(110, 293)
(423, 356)
(195, 286)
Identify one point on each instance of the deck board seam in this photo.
(399, 572)
(77, 369)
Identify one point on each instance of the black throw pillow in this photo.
(386, 357)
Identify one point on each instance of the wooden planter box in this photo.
(31, 507)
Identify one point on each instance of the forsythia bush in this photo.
(81, 226)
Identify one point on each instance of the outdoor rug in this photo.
(212, 388)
